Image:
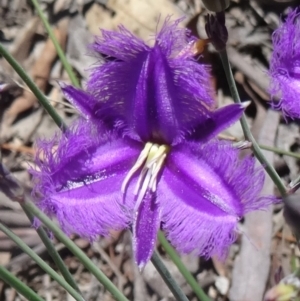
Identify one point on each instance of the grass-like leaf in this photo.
(18, 285)
(41, 263)
(100, 276)
(59, 50)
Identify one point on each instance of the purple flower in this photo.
(93, 180)
(285, 66)
(144, 155)
(152, 93)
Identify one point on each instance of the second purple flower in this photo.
(285, 66)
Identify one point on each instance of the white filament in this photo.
(151, 161)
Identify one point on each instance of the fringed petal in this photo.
(203, 192)
(285, 66)
(119, 45)
(79, 180)
(153, 93)
(145, 227)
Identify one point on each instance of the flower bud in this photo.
(216, 5)
(216, 30)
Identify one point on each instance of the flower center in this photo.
(151, 161)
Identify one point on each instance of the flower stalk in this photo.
(182, 268)
(247, 133)
(169, 280)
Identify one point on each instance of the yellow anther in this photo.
(155, 153)
(151, 161)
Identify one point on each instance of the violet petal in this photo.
(120, 45)
(80, 182)
(145, 227)
(154, 93)
(204, 191)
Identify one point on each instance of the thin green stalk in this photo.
(53, 253)
(59, 51)
(76, 251)
(247, 133)
(18, 285)
(168, 279)
(32, 86)
(280, 151)
(182, 268)
(41, 263)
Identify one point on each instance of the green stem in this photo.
(33, 87)
(247, 133)
(280, 151)
(59, 51)
(53, 253)
(18, 285)
(41, 263)
(76, 251)
(182, 268)
(168, 279)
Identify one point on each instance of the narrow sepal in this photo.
(145, 227)
(211, 125)
(85, 103)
